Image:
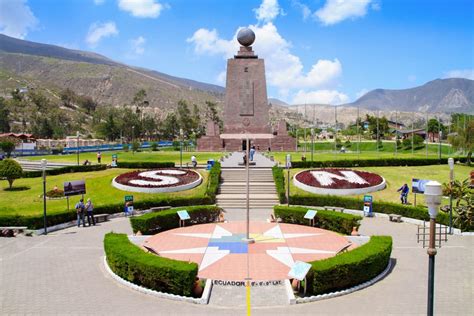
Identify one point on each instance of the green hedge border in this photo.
(36, 222)
(338, 222)
(62, 170)
(352, 203)
(385, 162)
(144, 164)
(153, 223)
(351, 268)
(157, 273)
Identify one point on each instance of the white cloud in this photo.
(98, 31)
(411, 78)
(268, 11)
(138, 45)
(305, 10)
(16, 18)
(361, 93)
(320, 97)
(99, 2)
(221, 78)
(284, 70)
(142, 8)
(460, 73)
(335, 11)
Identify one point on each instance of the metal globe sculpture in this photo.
(246, 37)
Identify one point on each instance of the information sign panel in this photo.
(299, 270)
(183, 215)
(310, 214)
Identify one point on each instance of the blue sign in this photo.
(368, 205)
(310, 214)
(183, 215)
(299, 270)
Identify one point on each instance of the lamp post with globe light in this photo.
(44, 163)
(312, 143)
(451, 179)
(77, 143)
(181, 147)
(433, 192)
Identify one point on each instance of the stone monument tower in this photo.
(246, 109)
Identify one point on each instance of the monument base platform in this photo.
(277, 143)
(210, 143)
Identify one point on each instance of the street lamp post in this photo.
(451, 179)
(181, 148)
(44, 163)
(247, 238)
(77, 143)
(312, 143)
(433, 194)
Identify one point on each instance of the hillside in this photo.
(55, 68)
(440, 95)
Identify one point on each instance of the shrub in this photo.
(153, 223)
(385, 162)
(377, 206)
(144, 164)
(154, 146)
(7, 144)
(279, 179)
(213, 182)
(338, 222)
(62, 170)
(135, 146)
(151, 271)
(10, 170)
(350, 268)
(125, 147)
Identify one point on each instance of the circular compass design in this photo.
(221, 253)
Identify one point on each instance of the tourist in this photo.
(86, 162)
(99, 157)
(80, 213)
(245, 159)
(252, 152)
(89, 208)
(404, 193)
(194, 161)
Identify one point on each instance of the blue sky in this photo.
(322, 51)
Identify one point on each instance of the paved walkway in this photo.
(238, 157)
(62, 273)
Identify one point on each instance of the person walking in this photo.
(252, 152)
(99, 157)
(404, 193)
(89, 208)
(80, 213)
(194, 161)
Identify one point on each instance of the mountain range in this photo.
(52, 69)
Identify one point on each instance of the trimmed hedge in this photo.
(62, 170)
(213, 181)
(338, 222)
(377, 206)
(279, 179)
(157, 273)
(144, 164)
(385, 162)
(350, 268)
(153, 223)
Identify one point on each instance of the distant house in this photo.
(406, 133)
(25, 141)
(395, 125)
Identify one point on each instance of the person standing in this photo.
(99, 157)
(80, 213)
(404, 193)
(194, 161)
(89, 208)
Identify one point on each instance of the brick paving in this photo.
(62, 273)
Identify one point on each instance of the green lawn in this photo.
(155, 156)
(397, 176)
(98, 185)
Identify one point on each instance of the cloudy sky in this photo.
(324, 51)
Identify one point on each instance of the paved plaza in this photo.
(63, 273)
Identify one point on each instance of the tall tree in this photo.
(213, 115)
(4, 113)
(184, 118)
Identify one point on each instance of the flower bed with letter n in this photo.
(157, 180)
(337, 181)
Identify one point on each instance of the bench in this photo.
(395, 218)
(159, 208)
(334, 208)
(11, 231)
(101, 217)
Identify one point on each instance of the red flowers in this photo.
(336, 182)
(126, 178)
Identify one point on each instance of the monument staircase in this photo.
(233, 188)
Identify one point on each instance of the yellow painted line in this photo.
(247, 286)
